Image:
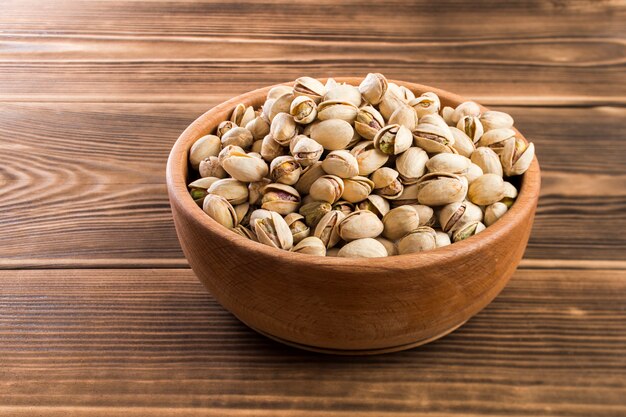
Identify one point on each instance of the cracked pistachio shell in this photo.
(442, 239)
(471, 126)
(356, 189)
(310, 87)
(368, 122)
(298, 227)
(376, 204)
(390, 247)
(329, 110)
(390, 102)
(486, 190)
(493, 119)
(344, 206)
(405, 94)
(206, 146)
(496, 139)
(468, 230)
(363, 248)
(393, 139)
(359, 225)
(244, 167)
(327, 188)
(427, 103)
(467, 108)
(242, 212)
(238, 136)
(405, 116)
(454, 215)
(303, 109)
(487, 160)
(308, 176)
(198, 189)
(219, 209)
(373, 88)
(332, 134)
(211, 167)
(446, 114)
(426, 214)
(517, 157)
(241, 115)
(441, 188)
(473, 172)
(273, 231)
(280, 198)
(281, 105)
(224, 127)
(227, 151)
(259, 214)
(259, 127)
(434, 119)
(411, 165)
(408, 196)
(344, 93)
(243, 231)
(283, 128)
(509, 190)
(236, 192)
(400, 221)
(307, 151)
(314, 211)
(310, 246)
(433, 138)
(448, 162)
(285, 170)
(368, 157)
(255, 191)
(270, 149)
(341, 163)
(279, 90)
(327, 229)
(463, 145)
(387, 183)
(421, 239)
(493, 212)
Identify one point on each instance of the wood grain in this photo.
(105, 342)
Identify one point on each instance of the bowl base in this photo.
(359, 352)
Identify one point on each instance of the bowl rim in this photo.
(519, 212)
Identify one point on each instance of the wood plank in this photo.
(75, 193)
(106, 341)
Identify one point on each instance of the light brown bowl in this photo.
(346, 306)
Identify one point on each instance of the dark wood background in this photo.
(99, 313)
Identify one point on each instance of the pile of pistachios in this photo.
(370, 171)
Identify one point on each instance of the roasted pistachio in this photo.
(471, 126)
(243, 231)
(307, 151)
(255, 191)
(357, 189)
(421, 239)
(455, 215)
(285, 170)
(270, 149)
(392, 249)
(487, 160)
(242, 114)
(427, 103)
(219, 209)
(332, 134)
(344, 206)
(236, 192)
(327, 188)
(393, 139)
(244, 167)
(368, 157)
(314, 211)
(405, 116)
(467, 108)
(376, 204)
(426, 214)
(486, 190)
(310, 87)
(433, 138)
(363, 248)
(448, 162)
(442, 239)
(495, 120)
(259, 127)
(224, 127)
(463, 145)
(337, 110)
(468, 230)
(298, 227)
(387, 183)
(308, 176)
(368, 122)
(210, 167)
(283, 128)
(238, 136)
(341, 163)
(273, 231)
(198, 188)
(440, 188)
(496, 139)
(279, 90)
(327, 229)
(280, 198)
(303, 109)
(343, 93)
(206, 146)
(373, 88)
(359, 225)
(411, 165)
(493, 212)
(400, 221)
(517, 156)
(310, 246)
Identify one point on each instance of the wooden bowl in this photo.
(346, 306)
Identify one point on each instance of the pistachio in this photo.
(307, 151)
(327, 188)
(344, 93)
(281, 105)
(224, 127)
(285, 170)
(341, 163)
(308, 176)
(390, 247)
(510, 191)
(227, 151)
(440, 188)
(273, 231)
(283, 128)
(243, 213)
(298, 227)
(280, 198)
(486, 190)
(357, 189)
(434, 119)
(219, 209)
(198, 188)
(256, 147)
(340, 110)
(327, 229)
(238, 136)
(471, 126)
(448, 162)
(469, 230)
(393, 139)
(455, 215)
(244, 167)
(487, 160)
(495, 120)
(270, 149)
(255, 191)
(310, 246)
(467, 108)
(496, 139)
(368, 122)
(442, 239)
(421, 239)
(433, 138)
(517, 156)
(405, 116)
(427, 103)
(473, 172)
(344, 206)
(236, 192)
(243, 231)
(446, 114)
(493, 212)
(463, 145)
(310, 87)
(373, 88)
(332, 134)
(426, 214)
(303, 109)
(368, 157)
(279, 90)
(241, 115)
(411, 165)
(359, 225)
(400, 221)
(330, 84)
(314, 211)
(259, 127)
(408, 196)
(405, 94)
(374, 203)
(387, 183)
(206, 146)
(259, 214)
(210, 167)
(390, 102)
(363, 248)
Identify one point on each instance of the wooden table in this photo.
(99, 313)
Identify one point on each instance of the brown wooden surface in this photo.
(93, 94)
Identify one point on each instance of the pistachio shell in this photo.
(206, 146)
(303, 109)
(368, 157)
(332, 134)
(359, 225)
(307, 151)
(219, 209)
(473, 172)
(224, 127)
(471, 126)
(434, 119)
(285, 170)
(327, 188)
(363, 248)
(310, 246)
(327, 230)
(281, 105)
(256, 147)
(493, 212)
(448, 162)
(227, 151)
(433, 138)
(243, 231)
(469, 230)
(374, 203)
(408, 196)
(202, 183)
(357, 189)
(509, 190)
(245, 168)
(308, 176)
(425, 213)
(270, 149)
(411, 165)
(446, 114)
(400, 221)
(279, 90)
(242, 211)
(462, 143)
(341, 163)
(427, 103)
(344, 206)
(442, 239)
(283, 128)
(373, 88)
(387, 183)
(440, 188)
(310, 87)
(259, 214)
(236, 192)
(341, 110)
(345, 93)
(496, 139)
(255, 191)
(486, 190)
(241, 115)
(390, 102)
(259, 127)
(517, 157)
(421, 239)
(238, 136)
(273, 231)
(468, 108)
(405, 116)
(368, 122)
(455, 215)
(487, 160)
(390, 247)
(298, 227)
(495, 120)
(393, 139)
(314, 211)
(280, 198)
(330, 84)
(211, 167)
